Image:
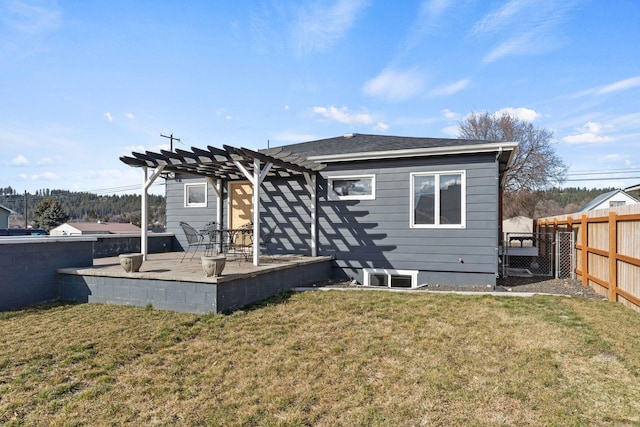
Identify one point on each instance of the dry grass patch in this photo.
(326, 358)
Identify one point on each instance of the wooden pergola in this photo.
(228, 164)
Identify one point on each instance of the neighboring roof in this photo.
(311, 157)
(633, 188)
(603, 198)
(104, 227)
(7, 209)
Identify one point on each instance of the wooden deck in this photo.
(166, 283)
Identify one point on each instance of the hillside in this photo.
(82, 206)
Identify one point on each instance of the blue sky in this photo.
(84, 82)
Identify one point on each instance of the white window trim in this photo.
(463, 197)
(186, 195)
(333, 196)
(367, 272)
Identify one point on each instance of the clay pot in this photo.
(131, 262)
(213, 265)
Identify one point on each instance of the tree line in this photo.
(83, 206)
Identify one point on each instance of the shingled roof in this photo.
(310, 157)
(390, 145)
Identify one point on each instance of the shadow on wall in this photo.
(341, 232)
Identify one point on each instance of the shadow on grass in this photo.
(278, 299)
(38, 308)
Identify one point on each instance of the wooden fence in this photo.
(607, 250)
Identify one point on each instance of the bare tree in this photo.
(535, 166)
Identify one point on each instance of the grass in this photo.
(325, 359)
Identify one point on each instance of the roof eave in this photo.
(417, 152)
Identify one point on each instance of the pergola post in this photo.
(144, 215)
(313, 211)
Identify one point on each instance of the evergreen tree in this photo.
(49, 214)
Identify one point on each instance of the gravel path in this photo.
(543, 285)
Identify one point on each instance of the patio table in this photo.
(228, 240)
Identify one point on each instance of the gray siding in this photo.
(177, 212)
(376, 233)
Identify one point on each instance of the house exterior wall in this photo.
(197, 217)
(4, 218)
(618, 199)
(376, 233)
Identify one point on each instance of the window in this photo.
(195, 195)
(390, 278)
(438, 199)
(361, 187)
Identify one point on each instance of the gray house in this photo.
(390, 211)
(5, 213)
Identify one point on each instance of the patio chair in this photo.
(266, 238)
(195, 239)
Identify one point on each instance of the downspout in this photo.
(499, 236)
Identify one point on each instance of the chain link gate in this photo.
(527, 254)
(565, 255)
(536, 254)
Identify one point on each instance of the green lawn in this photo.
(326, 359)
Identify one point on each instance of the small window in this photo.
(195, 195)
(361, 187)
(438, 199)
(390, 278)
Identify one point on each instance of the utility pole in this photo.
(26, 220)
(171, 139)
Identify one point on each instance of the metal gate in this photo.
(527, 254)
(538, 254)
(565, 255)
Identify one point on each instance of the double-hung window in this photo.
(195, 195)
(438, 199)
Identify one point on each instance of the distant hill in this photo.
(82, 206)
(558, 201)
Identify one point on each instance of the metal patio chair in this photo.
(265, 239)
(195, 239)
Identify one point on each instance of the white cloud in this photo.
(343, 115)
(45, 161)
(619, 86)
(129, 116)
(451, 131)
(511, 46)
(381, 127)
(142, 148)
(108, 116)
(523, 27)
(590, 133)
(396, 86)
(294, 137)
(320, 26)
(31, 19)
(286, 107)
(448, 114)
(450, 89)
(522, 113)
(47, 176)
(19, 160)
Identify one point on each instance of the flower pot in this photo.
(213, 265)
(131, 262)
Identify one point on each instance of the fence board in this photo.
(607, 250)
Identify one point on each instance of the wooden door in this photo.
(241, 198)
